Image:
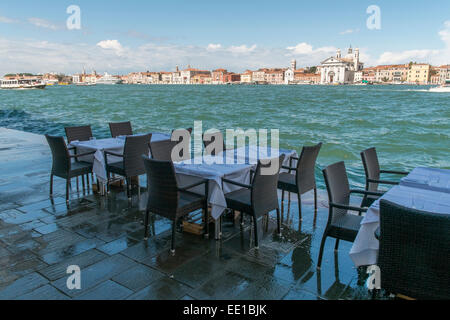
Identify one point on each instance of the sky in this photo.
(136, 35)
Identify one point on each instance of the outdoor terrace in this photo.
(39, 239)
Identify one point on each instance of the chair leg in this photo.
(300, 216)
(174, 227)
(282, 205)
(336, 247)
(278, 222)
(315, 201)
(289, 202)
(88, 183)
(51, 185)
(242, 218)
(84, 185)
(322, 245)
(128, 185)
(206, 220)
(146, 222)
(255, 224)
(67, 190)
(78, 187)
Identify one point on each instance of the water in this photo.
(408, 125)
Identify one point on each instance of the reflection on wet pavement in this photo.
(40, 238)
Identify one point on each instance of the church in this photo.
(341, 70)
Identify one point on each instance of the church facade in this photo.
(341, 70)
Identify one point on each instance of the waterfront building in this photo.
(166, 77)
(382, 74)
(246, 77)
(201, 78)
(274, 76)
(369, 75)
(399, 73)
(218, 76)
(341, 70)
(307, 78)
(232, 78)
(188, 73)
(259, 76)
(289, 74)
(358, 77)
(444, 73)
(419, 74)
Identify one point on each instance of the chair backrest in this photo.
(264, 192)
(60, 154)
(163, 194)
(83, 133)
(338, 187)
(162, 150)
(371, 167)
(414, 254)
(135, 147)
(121, 129)
(214, 136)
(306, 168)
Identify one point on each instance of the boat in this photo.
(22, 84)
(109, 79)
(85, 84)
(445, 87)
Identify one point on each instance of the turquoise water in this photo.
(409, 126)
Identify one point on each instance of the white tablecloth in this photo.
(365, 248)
(214, 168)
(115, 145)
(428, 178)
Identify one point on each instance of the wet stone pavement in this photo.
(40, 238)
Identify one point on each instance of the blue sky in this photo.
(123, 36)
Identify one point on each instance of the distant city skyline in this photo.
(121, 37)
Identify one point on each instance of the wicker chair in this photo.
(373, 173)
(258, 198)
(63, 167)
(162, 150)
(166, 198)
(341, 225)
(414, 254)
(121, 129)
(132, 164)
(304, 179)
(83, 133)
(209, 140)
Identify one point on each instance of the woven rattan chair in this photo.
(373, 174)
(341, 224)
(63, 167)
(83, 133)
(166, 198)
(414, 256)
(258, 198)
(121, 129)
(304, 178)
(162, 150)
(132, 164)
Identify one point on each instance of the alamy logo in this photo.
(374, 280)
(74, 280)
(374, 20)
(74, 20)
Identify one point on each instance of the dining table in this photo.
(115, 145)
(423, 189)
(235, 164)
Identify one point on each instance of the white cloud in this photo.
(243, 49)
(301, 48)
(113, 45)
(349, 31)
(214, 47)
(8, 20)
(42, 23)
(434, 56)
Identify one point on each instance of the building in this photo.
(246, 77)
(341, 70)
(201, 78)
(399, 73)
(232, 78)
(419, 74)
(307, 78)
(382, 74)
(259, 76)
(218, 76)
(369, 75)
(166, 77)
(444, 73)
(274, 76)
(187, 74)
